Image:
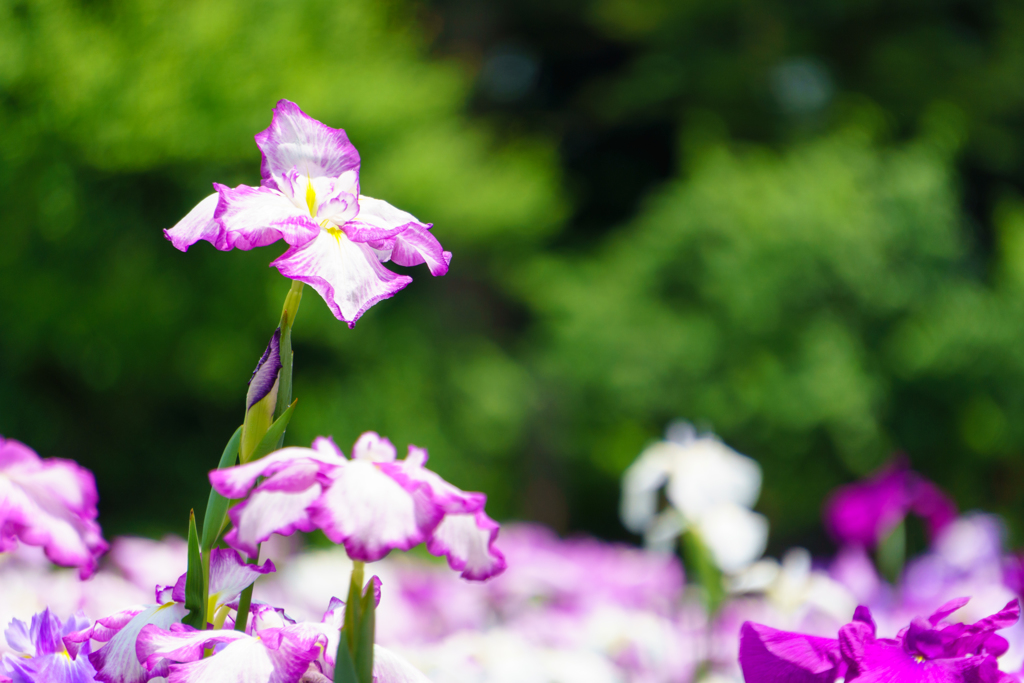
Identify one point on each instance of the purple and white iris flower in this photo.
(49, 503)
(274, 649)
(930, 650)
(116, 660)
(40, 653)
(273, 655)
(309, 196)
(372, 503)
(865, 512)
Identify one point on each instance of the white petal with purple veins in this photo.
(450, 498)
(229, 576)
(301, 464)
(295, 140)
(258, 216)
(198, 224)
(180, 644)
(378, 220)
(274, 656)
(345, 273)
(116, 662)
(267, 512)
(49, 503)
(467, 540)
(371, 513)
(417, 245)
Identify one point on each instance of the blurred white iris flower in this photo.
(709, 488)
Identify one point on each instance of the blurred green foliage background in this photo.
(798, 224)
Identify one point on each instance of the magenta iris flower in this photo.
(929, 650)
(49, 503)
(309, 196)
(372, 503)
(865, 512)
(40, 653)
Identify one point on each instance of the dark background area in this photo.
(799, 225)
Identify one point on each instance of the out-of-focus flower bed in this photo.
(568, 610)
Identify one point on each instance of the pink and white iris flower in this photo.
(273, 649)
(372, 503)
(49, 503)
(116, 661)
(309, 196)
(273, 655)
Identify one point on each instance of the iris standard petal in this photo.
(199, 224)
(229, 576)
(346, 274)
(373, 447)
(295, 140)
(257, 216)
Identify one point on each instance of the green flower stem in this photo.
(353, 661)
(245, 601)
(700, 562)
(284, 399)
(358, 569)
(288, 313)
(892, 553)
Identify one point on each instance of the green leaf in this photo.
(217, 506)
(290, 310)
(275, 434)
(245, 602)
(363, 652)
(892, 553)
(352, 606)
(195, 585)
(344, 667)
(700, 561)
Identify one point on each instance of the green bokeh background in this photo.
(797, 224)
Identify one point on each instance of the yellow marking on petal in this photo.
(336, 233)
(166, 605)
(220, 616)
(310, 197)
(66, 654)
(919, 658)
